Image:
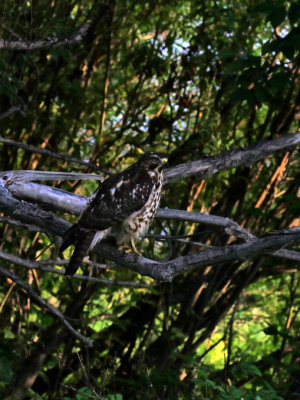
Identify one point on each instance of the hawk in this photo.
(123, 204)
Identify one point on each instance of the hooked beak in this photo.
(165, 162)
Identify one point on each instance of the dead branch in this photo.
(18, 224)
(48, 153)
(160, 271)
(46, 43)
(231, 159)
(28, 213)
(42, 266)
(167, 270)
(11, 111)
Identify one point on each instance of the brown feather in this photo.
(124, 203)
(81, 248)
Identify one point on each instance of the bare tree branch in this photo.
(48, 153)
(18, 224)
(46, 43)
(31, 176)
(44, 304)
(11, 111)
(167, 270)
(28, 213)
(231, 227)
(231, 159)
(48, 196)
(72, 203)
(201, 168)
(42, 265)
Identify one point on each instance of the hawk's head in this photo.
(152, 160)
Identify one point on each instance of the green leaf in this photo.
(83, 393)
(254, 370)
(9, 334)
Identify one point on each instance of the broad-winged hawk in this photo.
(124, 204)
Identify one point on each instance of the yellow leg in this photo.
(134, 248)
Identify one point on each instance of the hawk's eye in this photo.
(155, 160)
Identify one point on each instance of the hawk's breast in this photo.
(136, 225)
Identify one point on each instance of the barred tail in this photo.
(83, 241)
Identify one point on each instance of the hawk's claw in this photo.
(127, 249)
(134, 248)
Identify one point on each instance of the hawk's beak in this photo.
(165, 162)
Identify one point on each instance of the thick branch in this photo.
(201, 168)
(28, 213)
(70, 202)
(43, 303)
(167, 270)
(44, 43)
(231, 159)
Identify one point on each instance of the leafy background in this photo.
(190, 79)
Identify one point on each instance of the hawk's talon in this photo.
(134, 248)
(125, 249)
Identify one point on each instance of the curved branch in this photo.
(44, 43)
(73, 203)
(48, 153)
(231, 159)
(167, 270)
(43, 266)
(201, 168)
(29, 214)
(11, 111)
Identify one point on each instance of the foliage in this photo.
(191, 79)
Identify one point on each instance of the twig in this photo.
(11, 111)
(48, 153)
(231, 227)
(87, 379)
(44, 43)
(81, 394)
(44, 304)
(231, 334)
(18, 224)
(179, 239)
(85, 260)
(41, 265)
(7, 296)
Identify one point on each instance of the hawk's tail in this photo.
(70, 237)
(82, 238)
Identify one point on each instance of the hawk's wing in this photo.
(116, 198)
